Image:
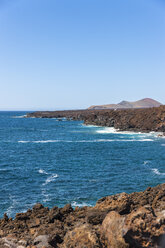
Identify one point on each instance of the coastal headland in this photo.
(135, 220)
(137, 120)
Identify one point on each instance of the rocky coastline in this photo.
(137, 120)
(135, 220)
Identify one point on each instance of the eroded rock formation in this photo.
(134, 220)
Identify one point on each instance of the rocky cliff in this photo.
(144, 120)
(134, 220)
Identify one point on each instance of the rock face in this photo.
(143, 120)
(144, 103)
(134, 220)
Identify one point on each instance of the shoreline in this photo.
(117, 221)
(135, 120)
(121, 220)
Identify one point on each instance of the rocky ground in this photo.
(134, 220)
(143, 120)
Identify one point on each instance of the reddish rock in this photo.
(113, 230)
(81, 237)
(134, 220)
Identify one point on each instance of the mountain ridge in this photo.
(143, 103)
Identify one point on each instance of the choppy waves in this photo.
(55, 162)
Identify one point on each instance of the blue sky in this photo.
(65, 54)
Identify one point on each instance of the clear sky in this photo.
(63, 54)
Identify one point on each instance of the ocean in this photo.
(56, 161)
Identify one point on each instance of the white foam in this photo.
(50, 179)
(45, 141)
(86, 141)
(120, 140)
(157, 172)
(157, 134)
(13, 205)
(162, 144)
(38, 141)
(145, 162)
(107, 130)
(19, 116)
(84, 125)
(112, 130)
(84, 204)
(42, 172)
(106, 140)
(23, 141)
(45, 195)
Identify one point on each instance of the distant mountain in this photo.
(144, 103)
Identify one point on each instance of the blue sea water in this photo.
(58, 161)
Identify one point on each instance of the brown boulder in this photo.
(144, 228)
(120, 203)
(95, 217)
(112, 230)
(81, 237)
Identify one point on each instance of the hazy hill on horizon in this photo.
(143, 103)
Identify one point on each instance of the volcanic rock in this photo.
(137, 120)
(135, 220)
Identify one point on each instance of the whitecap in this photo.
(45, 141)
(45, 195)
(41, 171)
(146, 162)
(85, 141)
(38, 141)
(84, 125)
(19, 116)
(107, 130)
(157, 172)
(84, 204)
(122, 140)
(65, 141)
(50, 179)
(23, 141)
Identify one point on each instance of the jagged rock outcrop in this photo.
(134, 220)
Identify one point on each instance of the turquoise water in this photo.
(57, 162)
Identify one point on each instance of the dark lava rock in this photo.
(144, 120)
